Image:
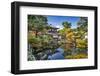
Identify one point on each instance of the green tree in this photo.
(83, 23)
(82, 31)
(66, 24)
(36, 22)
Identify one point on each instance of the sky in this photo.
(56, 21)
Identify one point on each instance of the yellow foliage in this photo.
(73, 38)
(81, 43)
(78, 56)
(69, 34)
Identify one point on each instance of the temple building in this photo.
(54, 33)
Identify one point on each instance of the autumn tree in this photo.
(67, 34)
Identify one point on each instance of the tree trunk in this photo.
(36, 33)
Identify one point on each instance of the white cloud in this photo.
(59, 26)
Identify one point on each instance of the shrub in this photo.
(78, 56)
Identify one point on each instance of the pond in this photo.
(57, 54)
